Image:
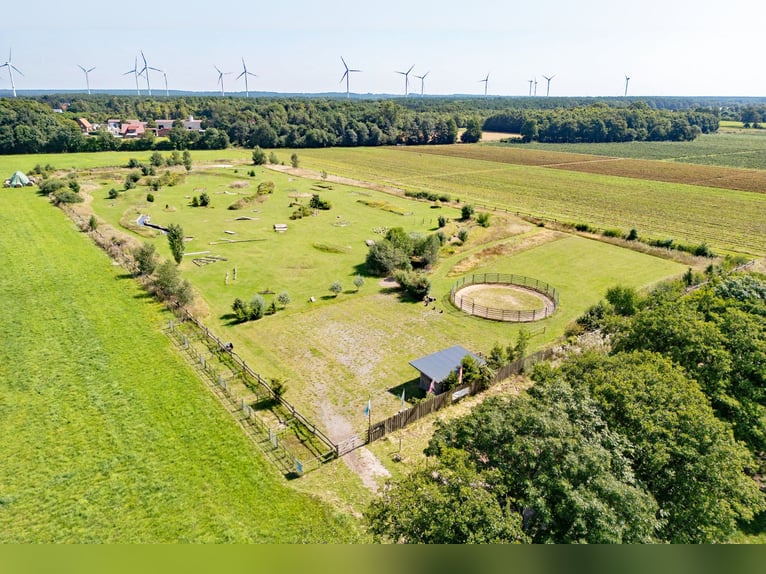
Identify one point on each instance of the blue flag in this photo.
(367, 409)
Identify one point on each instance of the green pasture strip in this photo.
(109, 436)
(741, 149)
(726, 220)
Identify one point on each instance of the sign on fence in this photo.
(457, 395)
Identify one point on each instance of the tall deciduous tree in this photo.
(176, 241)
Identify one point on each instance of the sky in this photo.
(666, 47)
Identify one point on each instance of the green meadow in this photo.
(108, 434)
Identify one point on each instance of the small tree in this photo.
(187, 160)
(156, 159)
(93, 223)
(259, 156)
(113, 194)
(204, 199)
(442, 221)
(497, 357)
(462, 235)
(294, 161)
(283, 298)
(336, 288)
(483, 219)
(150, 197)
(176, 241)
(467, 211)
(241, 310)
(145, 258)
(273, 159)
(257, 307)
(358, 282)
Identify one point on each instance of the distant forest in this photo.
(30, 125)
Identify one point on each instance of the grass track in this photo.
(108, 436)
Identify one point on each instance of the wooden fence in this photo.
(425, 407)
(468, 305)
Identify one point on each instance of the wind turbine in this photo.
(535, 86)
(11, 67)
(87, 78)
(548, 89)
(246, 74)
(530, 87)
(422, 81)
(137, 73)
(346, 75)
(145, 72)
(486, 83)
(167, 94)
(627, 79)
(406, 79)
(220, 78)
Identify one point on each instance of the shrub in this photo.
(265, 187)
(319, 203)
(442, 221)
(283, 298)
(273, 159)
(584, 227)
(195, 201)
(467, 212)
(66, 195)
(204, 199)
(113, 194)
(241, 310)
(416, 285)
(483, 219)
(133, 163)
(358, 282)
(154, 184)
(150, 197)
(612, 233)
(93, 223)
(74, 186)
(633, 235)
(294, 160)
(257, 307)
(259, 156)
(462, 235)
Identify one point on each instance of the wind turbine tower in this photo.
(137, 73)
(627, 79)
(535, 86)
(422, 81)
(11, 67)
(530, 87)
(87, 73)
(245, 73)
(406, 79)
(486, 83)
(145, 71)
(167, 93)
(346, 75)
(220, 78)
(548, 89)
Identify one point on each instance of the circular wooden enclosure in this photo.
(504, 297)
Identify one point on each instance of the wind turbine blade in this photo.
(15, 68)
(412, 66)
(89, 71)
(344, 62)
(83, 69)
(238, 77)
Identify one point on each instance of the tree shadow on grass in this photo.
(123, 276)
(230, 319)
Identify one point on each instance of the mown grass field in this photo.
(108, 435)
(726, 220)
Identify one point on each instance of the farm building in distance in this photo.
(436, 367)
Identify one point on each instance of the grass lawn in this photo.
(109, 436)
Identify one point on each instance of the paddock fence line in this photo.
(253, 381)
(468, 305)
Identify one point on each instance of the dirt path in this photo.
(361, 461)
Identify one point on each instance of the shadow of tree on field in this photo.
(411, 390)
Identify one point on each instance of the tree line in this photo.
(32, 126)
(654, 437)
(600, 123)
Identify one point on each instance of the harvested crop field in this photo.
(654, 170)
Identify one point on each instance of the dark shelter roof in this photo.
(438, 365)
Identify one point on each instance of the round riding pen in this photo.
(504, 297)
